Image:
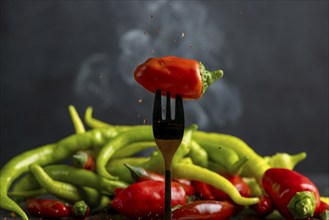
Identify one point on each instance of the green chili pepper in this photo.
(135, 161)
(83, 177)
(117, 168)
(255, 189)
(255, 166)
(17, 166)
(155, 162)
(69, 174)
(133, 148)
(95, 123)
(20, 196)
(66, 191)
(227, 161)
(124, 138)
(284, 160)
(198, 154)
(77, 123)
(44, 155)
(194, 172)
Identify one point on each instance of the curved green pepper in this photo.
(254, 167)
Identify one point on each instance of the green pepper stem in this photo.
(80, 158)
(238, 165)
(324, 215)
(209, 77)
(302, 205)
(80, 208)
(136, 172)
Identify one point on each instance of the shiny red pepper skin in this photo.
(203, 190)
(238, 182)
(205, 210)
(173, 74)
(145, 200)
(141, 174)
(322, 211)
(187, 185)
(264, 207)
(283, 184)
(47, 208)
(179, 76)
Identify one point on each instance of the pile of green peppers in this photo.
(202, 156)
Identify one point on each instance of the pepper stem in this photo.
(302, 205)
(80, 208)
(136, 172)
(80, 159)
(238, 166)
(209, 77)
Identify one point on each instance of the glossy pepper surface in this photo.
(205, 210)
(322, 212)
(141, 174)
(264, 207)
(145, 200)
(239, 184)
(47, 208)
(179, 76)
(293, 194)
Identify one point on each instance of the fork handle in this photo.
(167, 214)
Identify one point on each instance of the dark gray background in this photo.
(274, 54)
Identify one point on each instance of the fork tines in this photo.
(168, 128)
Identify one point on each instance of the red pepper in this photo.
(187, 185)
(238, 182)
(205, 210)
(294, 195)
(264, 207)
(141, 174)
(47, 208)
(322, 211)
(83, 160)
(145, 200)
(203, 190)
(184, 77)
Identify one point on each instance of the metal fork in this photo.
(168, 134)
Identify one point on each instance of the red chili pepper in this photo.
(47, 208)
(184, 77)
(117, 191)
(294, 195)
(203, 190)
(187, 185)
(264, 207)
(141, 174)
(83, 160)
(205, 210)
(322, 211)
(146, 199)
(238, 182)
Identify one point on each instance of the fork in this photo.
(168, 134)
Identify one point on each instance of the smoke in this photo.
(160, 28)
